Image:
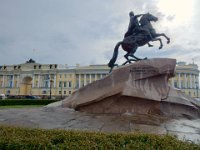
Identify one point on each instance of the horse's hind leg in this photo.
(135, 57)
(128, 60)
(131, 54)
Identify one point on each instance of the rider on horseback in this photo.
(135, 28)
(137, 35)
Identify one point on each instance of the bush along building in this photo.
(55, 80)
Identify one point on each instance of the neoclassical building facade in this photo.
(32, 78)
(187, 79)
(46, 80)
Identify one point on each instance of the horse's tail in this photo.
(111, 63)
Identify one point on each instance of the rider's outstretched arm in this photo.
(138, 15)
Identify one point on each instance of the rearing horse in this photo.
(132, 42)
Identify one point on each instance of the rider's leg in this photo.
(147, 32)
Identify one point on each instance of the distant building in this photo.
(57, 80)
(32, 78)
(187, 79)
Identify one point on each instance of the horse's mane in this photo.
(143, 19)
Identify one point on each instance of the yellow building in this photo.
(56, 80)
(46, 80)
(187, 79)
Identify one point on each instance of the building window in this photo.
(65, 84)
(46, 84)
(36, 84)
(60, 75)
(59, 92)
(77, 85)
(175, 84)
(60, 84)
(69, 84)
(65, 92)
(15, 84)
(8, 92)
(182, 84)
(87, 76)
(82, 83)
(46, 77)
(10, 84)
(70, 92)
(44, 92)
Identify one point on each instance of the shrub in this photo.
(23, 138)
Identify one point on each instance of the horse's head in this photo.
(151, 17)
(146, 18)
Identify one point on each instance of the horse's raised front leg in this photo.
(158, 39)
(162, 34)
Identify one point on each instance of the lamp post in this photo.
(50, 87)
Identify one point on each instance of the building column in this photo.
(13, 81)
(79, 80)
(33, 84)
(185, 78)
(101, 76)
(85, 80)
(18, 81)
(54, 80)
(90, 78)
(95, 76)
(194, 84)
(49, 81)
(3, 82)
(38, 80)
(190, 81)
(179, 80)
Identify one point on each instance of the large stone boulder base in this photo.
(138, 88)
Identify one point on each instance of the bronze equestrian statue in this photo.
(137, 35)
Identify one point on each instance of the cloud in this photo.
(70, 32)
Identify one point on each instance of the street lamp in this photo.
(50, 87)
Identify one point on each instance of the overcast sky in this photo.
(86, 32)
